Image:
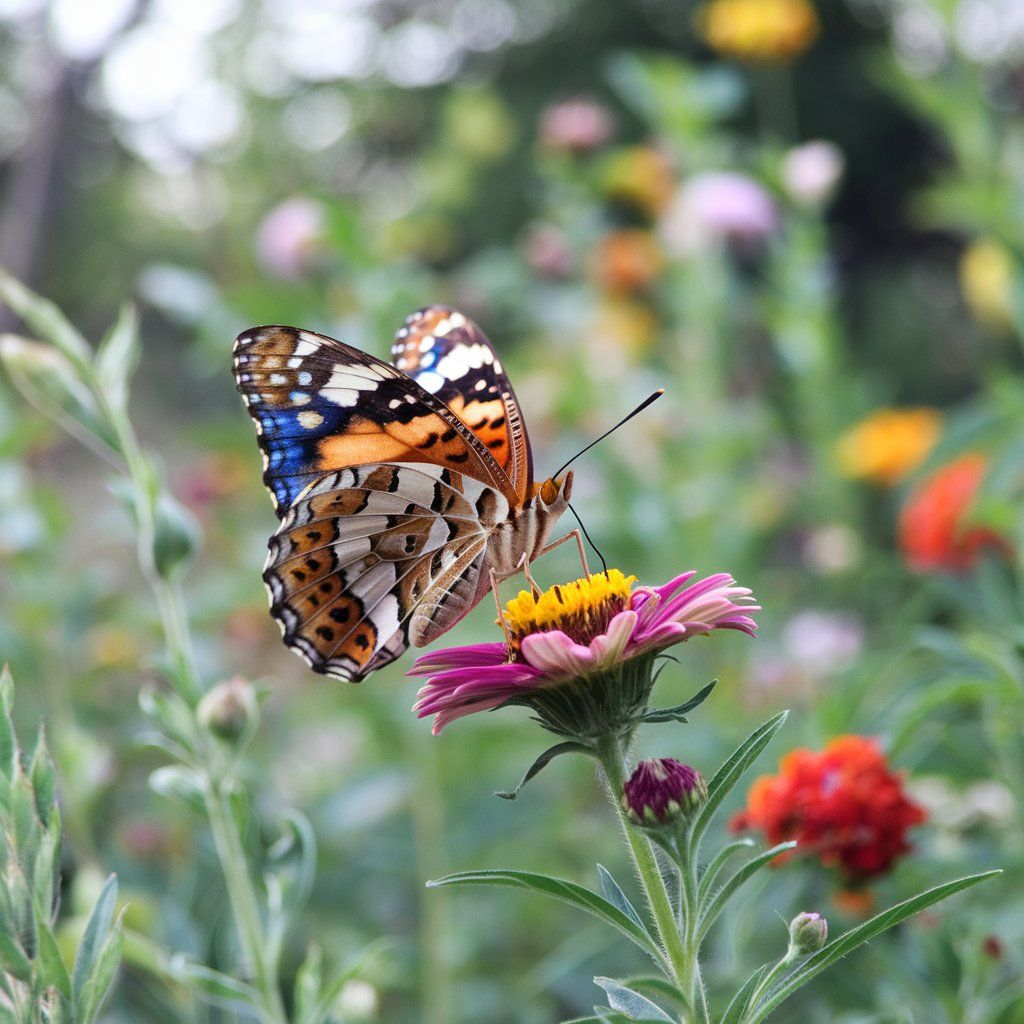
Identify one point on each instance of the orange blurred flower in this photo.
(885, 446)
(759, 31)
(934, 532)
(640, 177)
(626, 261)
(843, 805)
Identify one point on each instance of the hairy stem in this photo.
(612, 759)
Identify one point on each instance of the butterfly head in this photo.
(553, 495)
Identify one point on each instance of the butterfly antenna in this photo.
(597, 550)
(625, 419)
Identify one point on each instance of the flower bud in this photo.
(808, 932)
(661, 791)
(357, 1001)
(176, 535)
(229, 710)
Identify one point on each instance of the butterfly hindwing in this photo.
(372, 558)
(321, 406)
(449, 356)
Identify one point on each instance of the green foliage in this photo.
(37, 986)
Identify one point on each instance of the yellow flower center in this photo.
(581, 609)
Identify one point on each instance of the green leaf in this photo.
(102, 978)
(567, 892)
(711, 872)
(117, 357)
(54, 970)
(359, 964)
(217, 987)
(171, 715)
(656, 983)
(45, 319)
(176, 782)
(730, 773)
(308, 982)
(721, 897)
(46, 869)
(9, 753)
(97, 929)
(848, 941)
(613, 893)
(13, 958)
(176, 535)
(740, 1003)
(676, 714)
(549, 755)
(630, 1003)
(44, 779)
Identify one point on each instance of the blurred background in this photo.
(805, 222)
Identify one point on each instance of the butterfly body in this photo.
(402, 490)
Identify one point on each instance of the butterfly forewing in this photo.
(321, 406)
(363, 551)
(449, 356)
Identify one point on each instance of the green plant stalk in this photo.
(174, 620)
(242, 896)
(612, 759)
(689, 922)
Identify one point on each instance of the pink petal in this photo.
(556, 655)
(455, 657)
(612, 645)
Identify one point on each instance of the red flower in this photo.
(933, 528)
(843, 805)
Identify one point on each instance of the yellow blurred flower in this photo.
(759, 31)
(626, 261)
(887, 445)
(986, 279)
(640, 177)
(622, 329)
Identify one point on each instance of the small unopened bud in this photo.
(661, 791)
(808, 932)
(229, 710)
(175, 535)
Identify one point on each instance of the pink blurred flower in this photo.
(547, 250)
(578, 125)
(811, 172)
(823, 642)
(290, 237)
(718, 206)
(592, 670)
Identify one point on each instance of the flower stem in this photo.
(610, 754)
(218, 778)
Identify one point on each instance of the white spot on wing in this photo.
(431, 381)
(310, 419)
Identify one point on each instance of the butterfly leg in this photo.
(495, 581)
(572, 535)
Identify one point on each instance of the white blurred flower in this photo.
(718, 206)
(823, 642)
(811, 172)
(830, 549)
(357, 1002)
(289, 237)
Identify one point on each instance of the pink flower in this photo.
(576, 126)
(290, 237)
(580, 654)
(718, 206)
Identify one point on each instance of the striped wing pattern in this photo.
(449, 356)
(389, 481)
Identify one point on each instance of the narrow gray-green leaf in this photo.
(213, 984)
(560, 889)
(13, 959)
(707, 879)
(848, 941)
(102, 978)
(614, 894)
(722, 895)
(741, 1001)
(308, 982)
(730, 773)
(632, 1004)
(97, 929)
(117, 357)
(45, 319)
(55, 971)
(570, 747)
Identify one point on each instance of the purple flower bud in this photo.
(808, 932)
(661, 791)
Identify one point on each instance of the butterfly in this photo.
(405, 491)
